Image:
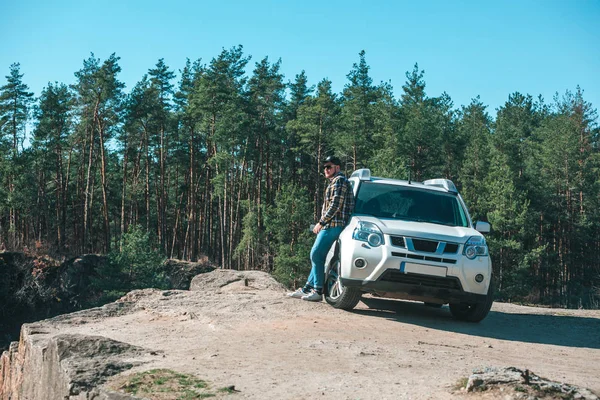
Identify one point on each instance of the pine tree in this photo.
(316, 124)
(51, 145)
(135, 146)
(387, 160)
(296, 161)
(451, 140)
(420, 133)
(219, 106)
(514, 125)
(508, 210)
(161, 90)
(475, 127)
(15, 105)
(191, 143)
(99, 98)
(266, 103)
(355, 139)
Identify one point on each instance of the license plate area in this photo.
(406, 267)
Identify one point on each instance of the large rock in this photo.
(526, 384)
(48, 364)
(231, 280)
(34, 288)
(180, 273)
(52, 360)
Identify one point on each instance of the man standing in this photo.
(335, 215)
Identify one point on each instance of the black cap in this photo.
(333, 160)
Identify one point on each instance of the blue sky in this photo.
(467, 48)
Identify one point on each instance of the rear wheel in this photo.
(336, 294)
(473, 312)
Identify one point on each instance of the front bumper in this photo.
(406, 272)
(417, 287)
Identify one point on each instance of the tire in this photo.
(337, 295)
(473, 312)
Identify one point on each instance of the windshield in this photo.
(410, 204)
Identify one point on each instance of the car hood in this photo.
(424, 230)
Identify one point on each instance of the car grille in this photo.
(421, 280)
(426, 246)
(398, 241)
(451, 248)
(424, 258)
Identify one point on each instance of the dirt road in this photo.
(244, 332)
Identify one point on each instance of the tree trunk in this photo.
(124, 193)
(147, 187)
(104, 191)
(88, 188)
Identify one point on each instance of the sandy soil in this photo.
(244, 332)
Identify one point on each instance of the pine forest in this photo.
(224, 159)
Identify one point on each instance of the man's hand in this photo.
(317, 228)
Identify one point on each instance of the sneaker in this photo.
(313, 296)
(297, 294)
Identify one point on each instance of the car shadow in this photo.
(559, 330)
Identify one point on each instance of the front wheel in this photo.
(336, 294)
(473, 312)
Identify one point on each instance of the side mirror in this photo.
(483, 227)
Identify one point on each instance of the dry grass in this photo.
(165, 384)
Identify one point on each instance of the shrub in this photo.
(136, 266)
(288, 224)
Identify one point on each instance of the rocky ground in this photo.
(238, 331)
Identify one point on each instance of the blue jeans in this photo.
(318, 254)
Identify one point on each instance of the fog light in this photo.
(360, 263)
(478, 278)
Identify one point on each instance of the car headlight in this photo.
(368, 232)
(475, 247)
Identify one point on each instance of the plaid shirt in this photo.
(339, 202)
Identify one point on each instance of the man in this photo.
(335, 215)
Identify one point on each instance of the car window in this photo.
(411, 204)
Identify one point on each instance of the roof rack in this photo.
(443, 183)
(363, 174)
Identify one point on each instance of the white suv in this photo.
(413, 241)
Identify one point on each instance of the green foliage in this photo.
(357, 125)
(15, 107)
(135, 266)
(250, 248)
(508, 210)
(165, 383)
(387, 161)
(15, 103)
(288, 222)
(474, 128)
(139, 260)
(426, 130)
